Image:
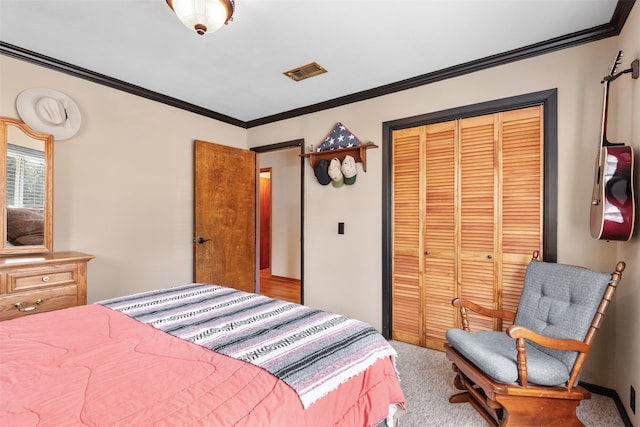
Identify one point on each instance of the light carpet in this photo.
(427, 380)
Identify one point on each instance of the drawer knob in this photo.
(23, 308)
(45, 279)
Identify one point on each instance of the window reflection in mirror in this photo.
(27, 189)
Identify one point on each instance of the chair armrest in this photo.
(517, 331)
(489, 312)
(521, 334)
(465, 304)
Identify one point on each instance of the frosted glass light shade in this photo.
(203, 16)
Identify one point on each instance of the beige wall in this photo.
(330, 284)
(285, 207)
(123, 185)
(625, 98)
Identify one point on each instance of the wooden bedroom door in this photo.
(224, 216)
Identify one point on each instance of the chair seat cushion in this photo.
(495, 354)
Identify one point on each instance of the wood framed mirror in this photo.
(26, 189)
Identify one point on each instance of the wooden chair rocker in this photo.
(528, 375)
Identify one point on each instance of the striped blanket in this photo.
(312, 351)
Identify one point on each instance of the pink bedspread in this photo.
(93, 366)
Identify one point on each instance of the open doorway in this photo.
(279, 224)
(264, 214)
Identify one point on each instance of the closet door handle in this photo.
(489, 256)
(427, 253)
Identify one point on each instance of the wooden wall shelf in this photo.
(358, 152)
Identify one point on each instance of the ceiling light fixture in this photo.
(203, 16)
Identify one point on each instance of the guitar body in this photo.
(613, 205)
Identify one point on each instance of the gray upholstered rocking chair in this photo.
(528, 375)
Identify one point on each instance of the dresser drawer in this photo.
(30, 279)
(41, 300)
(50, 281)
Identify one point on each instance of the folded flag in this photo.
(339, 137)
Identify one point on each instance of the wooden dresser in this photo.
(42, 282)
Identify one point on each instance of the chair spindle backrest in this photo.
(561, 301)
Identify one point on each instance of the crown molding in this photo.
(83, 73)
(613, 28)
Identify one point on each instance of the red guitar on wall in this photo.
(612, 203)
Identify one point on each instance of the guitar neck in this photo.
(605, 106)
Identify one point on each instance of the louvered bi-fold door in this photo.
(467, 207)
(407, 268)
(521, 187)
(500, 207)
(476, 206)
(439, 232)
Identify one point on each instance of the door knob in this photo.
(200, 240)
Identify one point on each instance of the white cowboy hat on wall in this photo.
(49, 111)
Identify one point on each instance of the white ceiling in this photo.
(237, 71)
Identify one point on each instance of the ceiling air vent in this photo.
(304, 72)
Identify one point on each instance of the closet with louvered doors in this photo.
(467, 215)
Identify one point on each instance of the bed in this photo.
(196, 354)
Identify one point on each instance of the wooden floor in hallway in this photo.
(282, 288)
